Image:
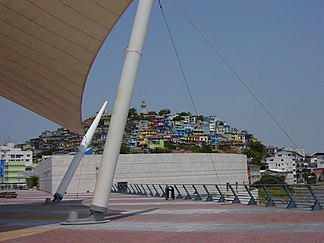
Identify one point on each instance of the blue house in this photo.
(132, 142)
(213, 138)
(182, 130)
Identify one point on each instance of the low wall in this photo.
(188, 168)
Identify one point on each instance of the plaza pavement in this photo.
(147, 219)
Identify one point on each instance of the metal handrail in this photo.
(296, 195)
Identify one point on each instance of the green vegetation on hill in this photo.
(255, 151)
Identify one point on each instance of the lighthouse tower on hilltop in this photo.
(143, 108)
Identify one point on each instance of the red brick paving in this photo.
(231, 218)
(155, 212)
(67, 235)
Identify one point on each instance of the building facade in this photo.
(319, 160)
(14, 160)
(288, 162)
(254, 173)
(181, 168)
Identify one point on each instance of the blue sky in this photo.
(276, 47)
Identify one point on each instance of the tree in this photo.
(227, 148)
(169, 145)
(269, 179)
(124, 149)
(207, 148)
(34, 180)
(204, 148)
(132, 112)
(160, 150)
(164, 112)
(185, 113)
(195, 149)
(256, 146)
(201, 118)
(48, 151)
(309, 177)
(178, 118)
(255, 151)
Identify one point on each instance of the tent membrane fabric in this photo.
(46, 51)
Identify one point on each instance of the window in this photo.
(282, 159)
(279, 155)
(289, 154)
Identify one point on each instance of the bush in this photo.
(269, 179)
(32, 181)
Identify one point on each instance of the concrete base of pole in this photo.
(47, 201)
(94, 218)
(96, 208)
(57, 198)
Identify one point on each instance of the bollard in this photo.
(73, 216)
(169, 193)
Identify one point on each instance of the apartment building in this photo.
(254, 173)
(289, 162)
(14, 160)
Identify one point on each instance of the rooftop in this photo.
(147, 219)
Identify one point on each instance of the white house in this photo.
(289, 162)
(13, 161)
(319, 159)
(9, 153)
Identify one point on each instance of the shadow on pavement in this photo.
(124, 214)
(25, 215)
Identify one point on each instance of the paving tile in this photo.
(147, 219)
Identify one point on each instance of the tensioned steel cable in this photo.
(235, 74)
(184, 77)
(130, 180)
(79, 178)
(178, 58)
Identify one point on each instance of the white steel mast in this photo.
(58, 196)
(117, 125)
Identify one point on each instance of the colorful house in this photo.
(14, 160)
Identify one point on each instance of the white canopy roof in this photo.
(46, 50)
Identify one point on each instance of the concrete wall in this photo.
(148, 169)
(44, 173)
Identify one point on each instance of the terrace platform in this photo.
(136, 218)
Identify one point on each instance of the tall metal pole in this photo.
(58, 196)
(120, 110)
